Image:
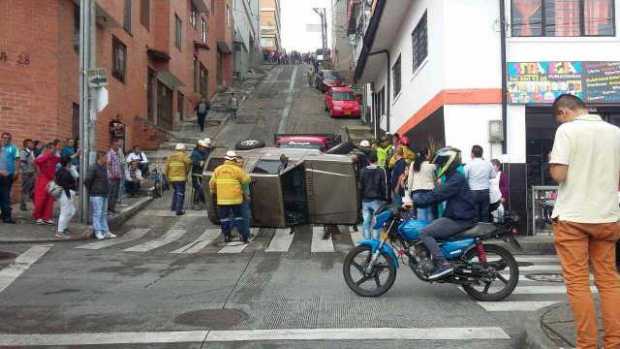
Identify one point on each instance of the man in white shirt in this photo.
(139, 156)
(479, 173)
(585, 161)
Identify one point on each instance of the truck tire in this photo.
(249, 144)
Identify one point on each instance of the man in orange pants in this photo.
(585, 161)
(43, 201)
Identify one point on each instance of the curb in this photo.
(113, 222)
(536, 336)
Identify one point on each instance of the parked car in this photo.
(342, 102)
(326, 79)
(310, 187)
(322, 142)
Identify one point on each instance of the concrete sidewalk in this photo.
(28, 232)
(553, 327)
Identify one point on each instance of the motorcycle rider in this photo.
(459, 214)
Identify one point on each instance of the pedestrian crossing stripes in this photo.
(132, 235)
(169, 237)
(516, 305)
(318, 243)
(238, 246)
(208, 237)
(22, 263)
(281, 242)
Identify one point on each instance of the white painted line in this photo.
(101, 338)
(203, 241)
(318, 244)
(516, 305)
(288, 103)
(281, 241)
(356, 237)
(537, 259)
(165, 239)
(440, 333)
(237, 246)
(541, 267)
(133, 234)
(524, 278)
(560, 289)
(10, 273)
(168, 213)
(334, 334)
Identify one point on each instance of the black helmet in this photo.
(447, 160)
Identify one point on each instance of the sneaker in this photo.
(61, 236)
(109, 235)
(441, 270)
(180, 213)
(48, 222)
(39, 221)
(99, 235)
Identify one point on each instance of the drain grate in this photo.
(5, 255)
(215, 319)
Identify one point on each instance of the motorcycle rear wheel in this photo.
(495, 254)
(357, 260)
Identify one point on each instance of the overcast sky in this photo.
(295, 14)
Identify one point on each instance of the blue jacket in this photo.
(455, 191)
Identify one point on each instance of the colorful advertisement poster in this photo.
(542, 82)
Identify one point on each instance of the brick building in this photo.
(160, 56)
(270, 26)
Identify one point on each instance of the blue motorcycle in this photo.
(487, 272)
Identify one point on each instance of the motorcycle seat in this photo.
(480, 230)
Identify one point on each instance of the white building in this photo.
(443, 79)
(246, 16)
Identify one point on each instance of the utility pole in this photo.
(323, 14)
(88, 107)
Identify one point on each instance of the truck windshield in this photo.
(343, 96)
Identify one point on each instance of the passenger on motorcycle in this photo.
(459, 213)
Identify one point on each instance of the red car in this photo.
(341, 102)
(322, 142)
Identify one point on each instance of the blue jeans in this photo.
(6, 184)
(424, 214)
(178, 197)
(230, 216)
(246, 212)
(98, 210)
(368, 210)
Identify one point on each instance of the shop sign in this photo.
(542, 82)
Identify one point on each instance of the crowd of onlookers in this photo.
(392, 172)
(277, 57)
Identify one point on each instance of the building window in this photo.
(76, 27)
(563, 18)
(204, 81)
(396, 77)
(178, 25)
(127, 16)
(419, 42)
(193, 17)
(75, 124)
(119, 59)
(180, 104)
(203, 30)
(227, 15)
(150, 94)
(196, 70)
(145, 13)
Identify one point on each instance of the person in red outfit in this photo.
(43, 201)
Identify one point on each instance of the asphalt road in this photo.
(171, 282)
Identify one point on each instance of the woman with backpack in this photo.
(65, 179)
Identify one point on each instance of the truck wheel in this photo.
(249, 144)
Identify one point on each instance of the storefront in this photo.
(535, 86)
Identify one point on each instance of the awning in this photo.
(168, 79)
(157, 55)
(222, 46)
(199, 45)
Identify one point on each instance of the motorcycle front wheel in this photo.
(498, 284)
(368, 284)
